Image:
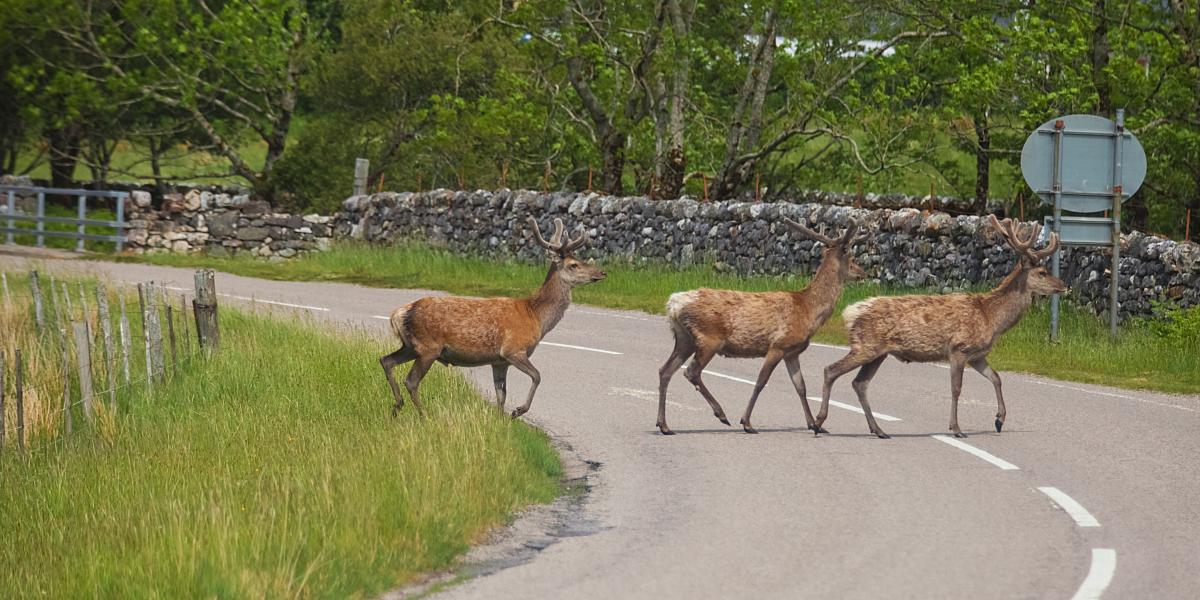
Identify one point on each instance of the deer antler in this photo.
(849, 236)
(808, 233)
(1023, 245)
(556, 244)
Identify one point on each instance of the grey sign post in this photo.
(1085, 164)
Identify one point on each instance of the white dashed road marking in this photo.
(1081, 515)
(1104, 564)
(879, 415)
(584, 348)
(965, 447)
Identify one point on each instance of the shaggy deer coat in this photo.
(959, 328)
(773, 325)
(500, 332)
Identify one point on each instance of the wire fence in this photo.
(40, 400)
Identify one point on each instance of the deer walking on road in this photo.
(959, 328)
(776, 326)
(500, 332)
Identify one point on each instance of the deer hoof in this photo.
(748, 427)
(720, 417)
(518, 412)
(883, 436)
(817, 429)
(999, 425)
(959, 434)
(663, 429)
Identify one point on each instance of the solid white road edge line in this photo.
(251, 299)
(879, 415)
(585, 348)
(1104, 564)
(965, 447)
(1082, 517)
(571, 346)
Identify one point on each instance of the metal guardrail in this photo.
(10, 216)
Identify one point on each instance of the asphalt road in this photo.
(1089, 492)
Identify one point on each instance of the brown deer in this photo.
(959, 328)
(772, 325)
(500, 332)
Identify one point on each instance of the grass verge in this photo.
(1138, 359)
(271, 469)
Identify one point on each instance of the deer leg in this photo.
(521, 362)
(793, 367)
(500, 380)
(860, 387)
(683, 349)
(415, 375)
(956, 372)
(984, 369)
(764, 374)
(389, 363)
(847, 363)
(692, 374)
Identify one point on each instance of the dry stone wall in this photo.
(221, 223)
(931, 250)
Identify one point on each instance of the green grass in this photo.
(131, 162)
(271, 470)
(1139, 359)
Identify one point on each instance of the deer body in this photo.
(776, 326)
(957, 328)
(500, 332)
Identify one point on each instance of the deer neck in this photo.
(1007, 303)
(551, 300)
(823, 291)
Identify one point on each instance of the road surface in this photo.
(1090, 491)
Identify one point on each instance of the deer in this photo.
(775, 326)
(500, 332)
(959, 328)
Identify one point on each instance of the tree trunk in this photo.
(1100, 51)
(670, 160)
(747, 120)
(612, 146)
(64, 154)
(156, 149)
(983, 163)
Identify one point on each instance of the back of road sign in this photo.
(1087, 168)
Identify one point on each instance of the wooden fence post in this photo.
(7, 294)
(36, 290)
(171, 334)
(65, 353)
(83, 307)
(83, 357)
(186, 345)
(146, 335)
(205, 307)
(67, 294)
(20, 405)
(361, 168)
(110, 355)
(156, 333)
(126, 342)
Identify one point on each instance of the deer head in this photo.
(836, 249)
(1038, 278)
(569, 269)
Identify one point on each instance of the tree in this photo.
(234, 68)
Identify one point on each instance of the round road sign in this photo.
(1088, 168)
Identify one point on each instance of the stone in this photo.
(222, 200)
(191, 200)
(250, 233)
(223, 225)
(141, 198)
(254, 208)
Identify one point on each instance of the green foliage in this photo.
(1180, 326)
(239, 478)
